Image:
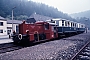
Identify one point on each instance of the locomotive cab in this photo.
(49, 30)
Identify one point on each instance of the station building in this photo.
(3, 26)
(6, 26)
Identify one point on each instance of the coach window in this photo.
(1, 23)
(82, 26)
(46, 26)
(71, 24)
(75, 24)
(65, 23)
(62, 22)
(1, 31)
(57, 22)
(68, 24)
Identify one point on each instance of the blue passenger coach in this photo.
(80, 28)
(67, 27)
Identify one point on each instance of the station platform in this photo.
(5, 39)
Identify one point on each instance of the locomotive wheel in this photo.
(16, 40)
(25, 41)
(42, 36)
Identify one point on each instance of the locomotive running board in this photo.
(40, 41)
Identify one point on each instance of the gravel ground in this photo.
(62, 49)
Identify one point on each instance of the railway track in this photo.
(8, 47)
(83, 53)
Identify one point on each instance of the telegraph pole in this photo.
(12, 18)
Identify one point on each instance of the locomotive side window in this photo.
(46, 26)
(54, 28)
(57, 22)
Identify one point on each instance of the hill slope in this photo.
(81, 14)
(83, 17)
(25, 8)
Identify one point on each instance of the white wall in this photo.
(4, 27)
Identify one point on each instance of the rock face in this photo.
(62, 49)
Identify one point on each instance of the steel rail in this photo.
(74, 57)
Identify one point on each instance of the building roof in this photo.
(1, 18)
(38, 17)
(31, 20)
(14, 21)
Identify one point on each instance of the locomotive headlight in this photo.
(20, 36)
(52, 35)
(27, 30)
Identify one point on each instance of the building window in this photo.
(8, 31)
(1, 31)
(1, 23)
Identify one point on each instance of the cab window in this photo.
(46, 26)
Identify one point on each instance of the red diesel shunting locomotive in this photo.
(29, 33)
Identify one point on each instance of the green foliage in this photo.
(21, 17)
(82, 14)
